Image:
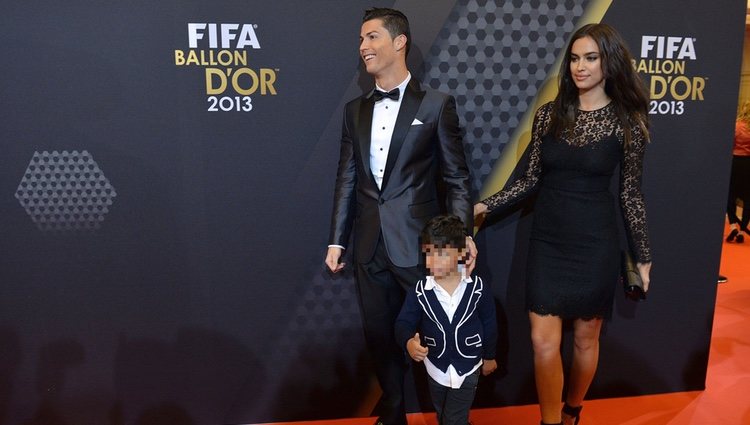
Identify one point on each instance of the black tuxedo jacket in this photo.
(426, 146)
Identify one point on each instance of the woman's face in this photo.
(586, 65)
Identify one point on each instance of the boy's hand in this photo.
(415, 349)
(488, 366)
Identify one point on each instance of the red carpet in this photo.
(726, 400)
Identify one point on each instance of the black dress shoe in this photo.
(740, 238)
(722, 279)
(732, 235)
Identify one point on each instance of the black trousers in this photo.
(381, 287)
(452, 405)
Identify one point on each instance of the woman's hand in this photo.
(644, 269)
(479, 209)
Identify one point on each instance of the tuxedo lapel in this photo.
(413, 95)
(365, 131)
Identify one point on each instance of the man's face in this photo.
(378, 49)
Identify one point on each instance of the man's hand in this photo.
(332, 259)
(488, 366)
(471, 254)
(415, 349)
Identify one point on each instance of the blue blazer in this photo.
(470, 336)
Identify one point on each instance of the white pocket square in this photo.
(416, 122)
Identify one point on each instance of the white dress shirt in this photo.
(384, 116)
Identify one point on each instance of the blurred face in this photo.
(442, 261)
(586, 65)
(380, 52)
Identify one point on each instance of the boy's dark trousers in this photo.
(452, 404)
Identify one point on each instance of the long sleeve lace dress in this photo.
(574, 254)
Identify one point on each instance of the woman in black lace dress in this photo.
(598, 120)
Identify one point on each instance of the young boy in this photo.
(449, 322)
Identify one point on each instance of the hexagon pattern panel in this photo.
(64, 191)
(493, 56)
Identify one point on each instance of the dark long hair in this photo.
(622, 84)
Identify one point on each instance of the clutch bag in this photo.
(631, 279)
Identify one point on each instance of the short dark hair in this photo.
(393, 20)
(443, 231)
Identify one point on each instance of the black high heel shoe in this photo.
(573, 412)
(740, 238)
(732, 235)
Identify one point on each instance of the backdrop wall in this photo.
(167, 180)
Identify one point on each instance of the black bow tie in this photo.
(380, 95)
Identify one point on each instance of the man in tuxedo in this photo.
(397, 141)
